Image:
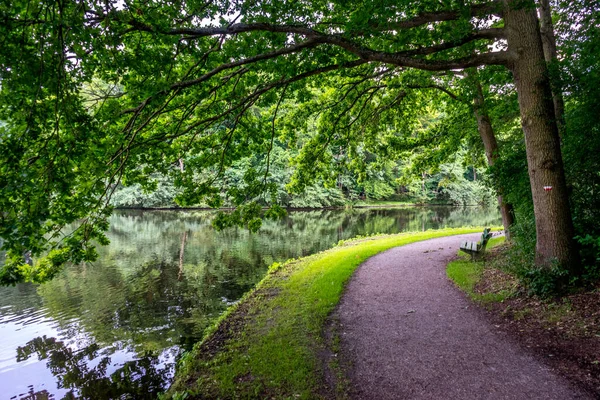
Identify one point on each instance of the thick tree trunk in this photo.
(486, 131)
(554, 226)
(550, 55)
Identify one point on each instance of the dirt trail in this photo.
(408, 333)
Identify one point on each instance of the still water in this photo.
(114, 328)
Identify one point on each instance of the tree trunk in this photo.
(486, 131)
(550, 55)
(554, 225)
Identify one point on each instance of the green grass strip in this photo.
(466, 273)
(268, 344)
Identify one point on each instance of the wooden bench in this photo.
(476, 248)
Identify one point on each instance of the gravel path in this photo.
(408, 333)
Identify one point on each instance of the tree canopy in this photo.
(94, 94)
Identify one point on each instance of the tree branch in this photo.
(226, 66)
(241, 28)
(477, 10)
(401, 59)
(490, 34)
(437, 87)
(253, 96)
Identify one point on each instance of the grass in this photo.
(383, 203)
(395, 203)
(557, 312)
(271, 343)
(466, 273)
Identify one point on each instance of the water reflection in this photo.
(86, 371)
(113, 328)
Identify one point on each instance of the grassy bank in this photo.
(466, 274)
(349, 203)
(270, 343)
(381, 203)
(402, 203)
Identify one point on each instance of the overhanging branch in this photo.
(477, 10)
(185, 84)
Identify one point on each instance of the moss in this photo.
(270, 344)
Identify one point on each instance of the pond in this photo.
(115, 327)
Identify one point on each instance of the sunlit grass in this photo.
(466, 273)
(273, 337)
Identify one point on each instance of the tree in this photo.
(554, 226)
(184, 78)
(490, 144)
(551, 57)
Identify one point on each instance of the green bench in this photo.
(476, 248)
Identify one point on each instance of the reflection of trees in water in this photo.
(19, 299)
(167, 275)
(137, 379)
(149, 309)
(300, 233)
(172, 270)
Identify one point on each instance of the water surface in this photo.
(114, 328)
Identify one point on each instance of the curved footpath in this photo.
(408, 333)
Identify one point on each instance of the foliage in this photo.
(450, 185)
(100, 96)
(579, 75)
(163, 194)
(590, 251)
(460, 191)
(547, 282)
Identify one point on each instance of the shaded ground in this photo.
(408, 333)
(565, 333)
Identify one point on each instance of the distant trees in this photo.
(450, 183)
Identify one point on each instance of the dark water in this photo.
(114, 328)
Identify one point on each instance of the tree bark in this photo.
(554, 225)
(550, 55)
(486, 132)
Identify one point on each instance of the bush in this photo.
(590, 258)
(546, 282)
(543, 282)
